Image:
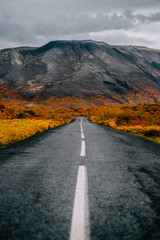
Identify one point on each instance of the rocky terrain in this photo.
(81, 69)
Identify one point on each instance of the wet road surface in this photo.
(108, 181)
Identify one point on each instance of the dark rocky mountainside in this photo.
(83, 69)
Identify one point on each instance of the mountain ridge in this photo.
(83, 69)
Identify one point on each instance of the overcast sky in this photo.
(36, 22)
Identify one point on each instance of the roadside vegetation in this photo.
(142, 119)
(18, 122)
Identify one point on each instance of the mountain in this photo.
(81, 69)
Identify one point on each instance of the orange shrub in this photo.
(20, 122)
(140, 119)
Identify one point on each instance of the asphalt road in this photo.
(120, 173)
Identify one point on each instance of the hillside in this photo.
(81, 69)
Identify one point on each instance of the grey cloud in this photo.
(59, 24)
(142, 18)
(104, 22)
(150, 18)
(84, 23)
(32, 22)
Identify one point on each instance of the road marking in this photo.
(81, 123)
(82, 135)
(82, 154)
(80, 229)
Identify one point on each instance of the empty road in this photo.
(80, 181)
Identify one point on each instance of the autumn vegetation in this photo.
(142, 119)
(20, 121)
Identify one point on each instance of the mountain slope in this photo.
(82, 69)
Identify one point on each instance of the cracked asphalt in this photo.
(38, 179)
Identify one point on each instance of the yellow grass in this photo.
(15, 130)
(19, 122)
(141, 120)
(150, 132)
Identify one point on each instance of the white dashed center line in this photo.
(83, 151)
(80, 215)
(80, 229)
(82, 135)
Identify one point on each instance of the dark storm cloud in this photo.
(35, 22)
